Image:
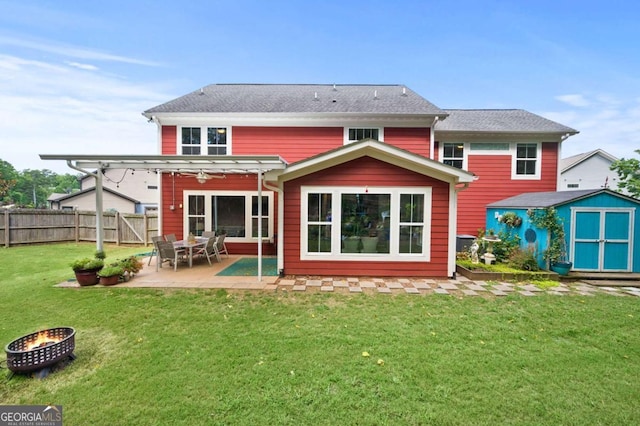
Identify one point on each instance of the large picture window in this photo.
(232, 212)
(378, 224)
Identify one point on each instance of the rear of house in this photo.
(363, 162)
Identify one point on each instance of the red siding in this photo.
(416, 140)
(291, 143)
(494, 183)
(169, 141)
(367, 171)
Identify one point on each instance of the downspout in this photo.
(432, 138)
(453, 229)
(558, 171)
(280, 234)
(99, 209)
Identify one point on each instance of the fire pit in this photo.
(41, 349)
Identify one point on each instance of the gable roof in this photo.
(66, 197)
(300, 98)
(380, 151)
(574, 160)
(499, 121)
(551, 199)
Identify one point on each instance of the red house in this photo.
(373, 179)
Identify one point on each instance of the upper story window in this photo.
(526, 161)
(204, 141)
(453, 154)
(354, 134)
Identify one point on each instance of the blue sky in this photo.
(76, 75)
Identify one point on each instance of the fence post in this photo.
(117, 220)
(77, 225)
(145, 227)
(7, 231)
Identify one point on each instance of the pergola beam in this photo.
(254, 164)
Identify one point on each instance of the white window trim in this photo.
(465, 153)
(336, 211)
(514, 159)
(248, 220)
(346, 133)
(203, 138)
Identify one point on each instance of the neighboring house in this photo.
(375, 181)
(589, 170)
(129, 191)
(85, 199)
(140, 185)
(602, 227)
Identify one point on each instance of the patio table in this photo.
(185, 244)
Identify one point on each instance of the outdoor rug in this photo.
(248, 266)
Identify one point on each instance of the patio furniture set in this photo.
(169, 248)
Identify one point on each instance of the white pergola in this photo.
(93, 165)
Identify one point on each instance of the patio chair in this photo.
(209, 250)
(166, 251)
(208, 234)
(171, 238)
(154, 252)
(221, 247)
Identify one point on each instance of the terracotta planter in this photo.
(87, 277)
(112, 280)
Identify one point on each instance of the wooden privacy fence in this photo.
(27, 226)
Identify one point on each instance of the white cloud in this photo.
(71, 51)
(61, 109)
(574, 100)
(609, 123)
(87, 67)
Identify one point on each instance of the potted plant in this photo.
(86, 270)
(511, 219)
(130, 265)
(110, 275)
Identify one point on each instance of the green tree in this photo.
(8, 179)
(628, 171)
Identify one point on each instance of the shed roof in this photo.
(543, 199)
(300, 98)
(499, 121)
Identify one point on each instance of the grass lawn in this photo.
(156, 357)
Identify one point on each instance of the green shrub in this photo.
(523, 260)
(110, 271)
(86, 263)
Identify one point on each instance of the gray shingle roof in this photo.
(542, 199)
(300, 98)
(499, 121)
(569, 162)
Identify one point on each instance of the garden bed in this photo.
(483, 275)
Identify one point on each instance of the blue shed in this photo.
(602, 227)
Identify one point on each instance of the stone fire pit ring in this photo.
(57, 343)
